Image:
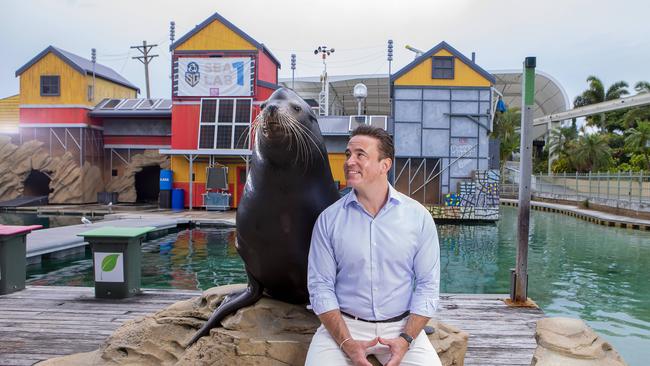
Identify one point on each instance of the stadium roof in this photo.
(550, 96)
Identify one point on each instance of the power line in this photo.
(145, 59)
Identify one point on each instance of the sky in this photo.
(571, 39)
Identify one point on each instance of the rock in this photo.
(125, 184)
(267, 333)
(571, 342)
(69, 183)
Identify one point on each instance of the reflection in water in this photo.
(576, 269)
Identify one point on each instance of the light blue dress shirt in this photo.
(375, 268)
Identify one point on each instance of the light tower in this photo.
(324, 95)
(293, 68)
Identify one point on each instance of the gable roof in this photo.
(80, 64)
(453, 51)
(232, 27)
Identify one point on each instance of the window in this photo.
(443, 67)
(225, 123)
(50, 85)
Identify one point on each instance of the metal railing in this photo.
(628, 190)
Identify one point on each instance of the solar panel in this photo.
(165, 104)
(111, 104)
(129, 104)
(147, 103)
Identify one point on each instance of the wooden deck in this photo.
(43, 322)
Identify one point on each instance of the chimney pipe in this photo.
(473, 57)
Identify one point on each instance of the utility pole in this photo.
(145, 59)
(519, 291)
(293, 68)
(390, 62)
(93, 57)
(324, 96)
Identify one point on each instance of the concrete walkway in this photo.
(64, 240)
(597, 217)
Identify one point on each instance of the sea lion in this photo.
(288, 185)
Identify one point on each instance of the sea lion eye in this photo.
(297, 108)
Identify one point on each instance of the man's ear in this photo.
(386, 164)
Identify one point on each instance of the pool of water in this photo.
(28, 218)
(576, 269)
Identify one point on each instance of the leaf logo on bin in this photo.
(109, 262)
(109, 267)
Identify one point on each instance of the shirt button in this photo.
(374, 288)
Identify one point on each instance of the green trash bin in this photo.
(116, 260)
(13, 257)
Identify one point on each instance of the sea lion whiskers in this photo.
(304, 135)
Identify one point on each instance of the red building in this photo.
(220, 76)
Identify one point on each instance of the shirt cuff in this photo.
(323, 304)
(424, 306)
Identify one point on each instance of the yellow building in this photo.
(442, 112)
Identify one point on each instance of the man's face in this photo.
(362, 165)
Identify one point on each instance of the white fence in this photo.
(628, 190)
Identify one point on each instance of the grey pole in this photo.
(618, 187)
(520, 286)
(630, 192)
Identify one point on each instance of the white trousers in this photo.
(324, 350)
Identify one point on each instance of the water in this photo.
(48, 221)
(576, 269)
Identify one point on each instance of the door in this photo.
(241, 182)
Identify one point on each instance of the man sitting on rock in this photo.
(374, 268)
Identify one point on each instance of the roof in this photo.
(443, 45)
(550, 96)
(234, 28)
(133, 108)
(80, 64)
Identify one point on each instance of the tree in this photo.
(505, 129)
(596, 94)
(638, 140)
(592, 152)
(560, 140)
(642, 87)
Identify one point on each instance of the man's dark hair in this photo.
(386, 147)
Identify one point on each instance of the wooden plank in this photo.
(67, 320)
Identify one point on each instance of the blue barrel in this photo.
(178, 199)
(165, 180)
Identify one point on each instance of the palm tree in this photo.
(560, 139)
(642, 87)
(638, 140)
(592, 152)
(596, 94)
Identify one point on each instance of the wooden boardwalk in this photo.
(43, 322)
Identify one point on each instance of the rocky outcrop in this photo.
(268, 333)
(125, 183)
(571, 342)
(69, 182)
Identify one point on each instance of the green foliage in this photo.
(591, 153)
(562, 165)
(505, 125)
(637, 140)
(596, 93)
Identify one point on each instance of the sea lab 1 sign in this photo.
(214, 77)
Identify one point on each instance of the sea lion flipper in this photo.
(229, 305)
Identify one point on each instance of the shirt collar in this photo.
(393, 195)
